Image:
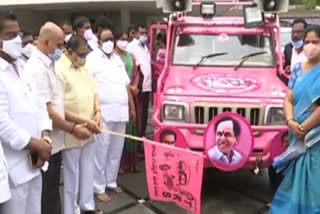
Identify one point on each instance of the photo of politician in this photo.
(227, 132)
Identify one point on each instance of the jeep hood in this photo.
(224, 82)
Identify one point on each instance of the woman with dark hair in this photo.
(299, 191)
(129, 155)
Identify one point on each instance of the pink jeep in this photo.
(216, 64)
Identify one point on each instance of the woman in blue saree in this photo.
(299, 192)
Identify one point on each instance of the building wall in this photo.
(31, 21)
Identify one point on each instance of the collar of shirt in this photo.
(3, 64)
(67, 63)
(44, 58)
(103, 55)
(222, 156)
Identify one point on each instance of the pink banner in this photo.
(174, 175)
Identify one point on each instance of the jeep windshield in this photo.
(190, 48)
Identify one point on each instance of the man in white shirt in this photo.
(41, 66)
(24, 123)
(227, 132)
(294, 51)
(27, 45)
(109, 71)
(82, 26)
(139, 48)
(5, 193)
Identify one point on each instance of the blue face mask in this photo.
(56, 55)
(297, 44)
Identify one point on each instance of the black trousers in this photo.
(50, 199)
(144, 97)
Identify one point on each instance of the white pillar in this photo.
(125, 18)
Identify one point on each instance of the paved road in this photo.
(223, 193)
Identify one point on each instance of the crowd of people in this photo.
(58, 93)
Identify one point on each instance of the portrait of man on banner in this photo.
(171, 136)
(168, 137)
(227, 132)
(228, 141)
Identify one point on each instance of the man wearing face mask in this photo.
(67, 30)
(139, 48)
(27, 45)
(115, 97)
(293, 51)
(24, 123)
(42, 67)
(81, 25)
(81, 107)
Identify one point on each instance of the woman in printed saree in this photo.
(299, 192)
(129, 155)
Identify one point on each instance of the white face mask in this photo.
(67, 37)
(143, 39)
(28, 49)
(107, 47)
(122, 44)
(13, 47)
(88, 34)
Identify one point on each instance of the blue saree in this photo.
(299, 192)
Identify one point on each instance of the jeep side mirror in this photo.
(161, 56)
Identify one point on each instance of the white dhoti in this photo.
(25, 199)
(78, 172)
(108, 155)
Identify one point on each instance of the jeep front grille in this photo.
(203, 113)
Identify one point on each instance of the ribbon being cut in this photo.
(173, 174)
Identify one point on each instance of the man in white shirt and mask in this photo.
(27, 45)
(139, 48)
(294, 51)
(115, 98)
(81, 26)
(24, 123)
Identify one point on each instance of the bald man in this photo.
(41, 65)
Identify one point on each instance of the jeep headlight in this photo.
(174, 112)
(276, 116)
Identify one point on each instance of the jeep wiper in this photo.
(203, 58)
(246, 57)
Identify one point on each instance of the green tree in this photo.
(308, 4)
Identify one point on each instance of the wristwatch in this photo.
(47, 139)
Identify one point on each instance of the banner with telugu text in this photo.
(174, 175)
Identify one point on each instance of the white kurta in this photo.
(5, 193)
(112, 80)
(22, 116)
(142, 55)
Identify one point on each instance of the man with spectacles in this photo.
(82, 108)
(227, 135)
(293, 51)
